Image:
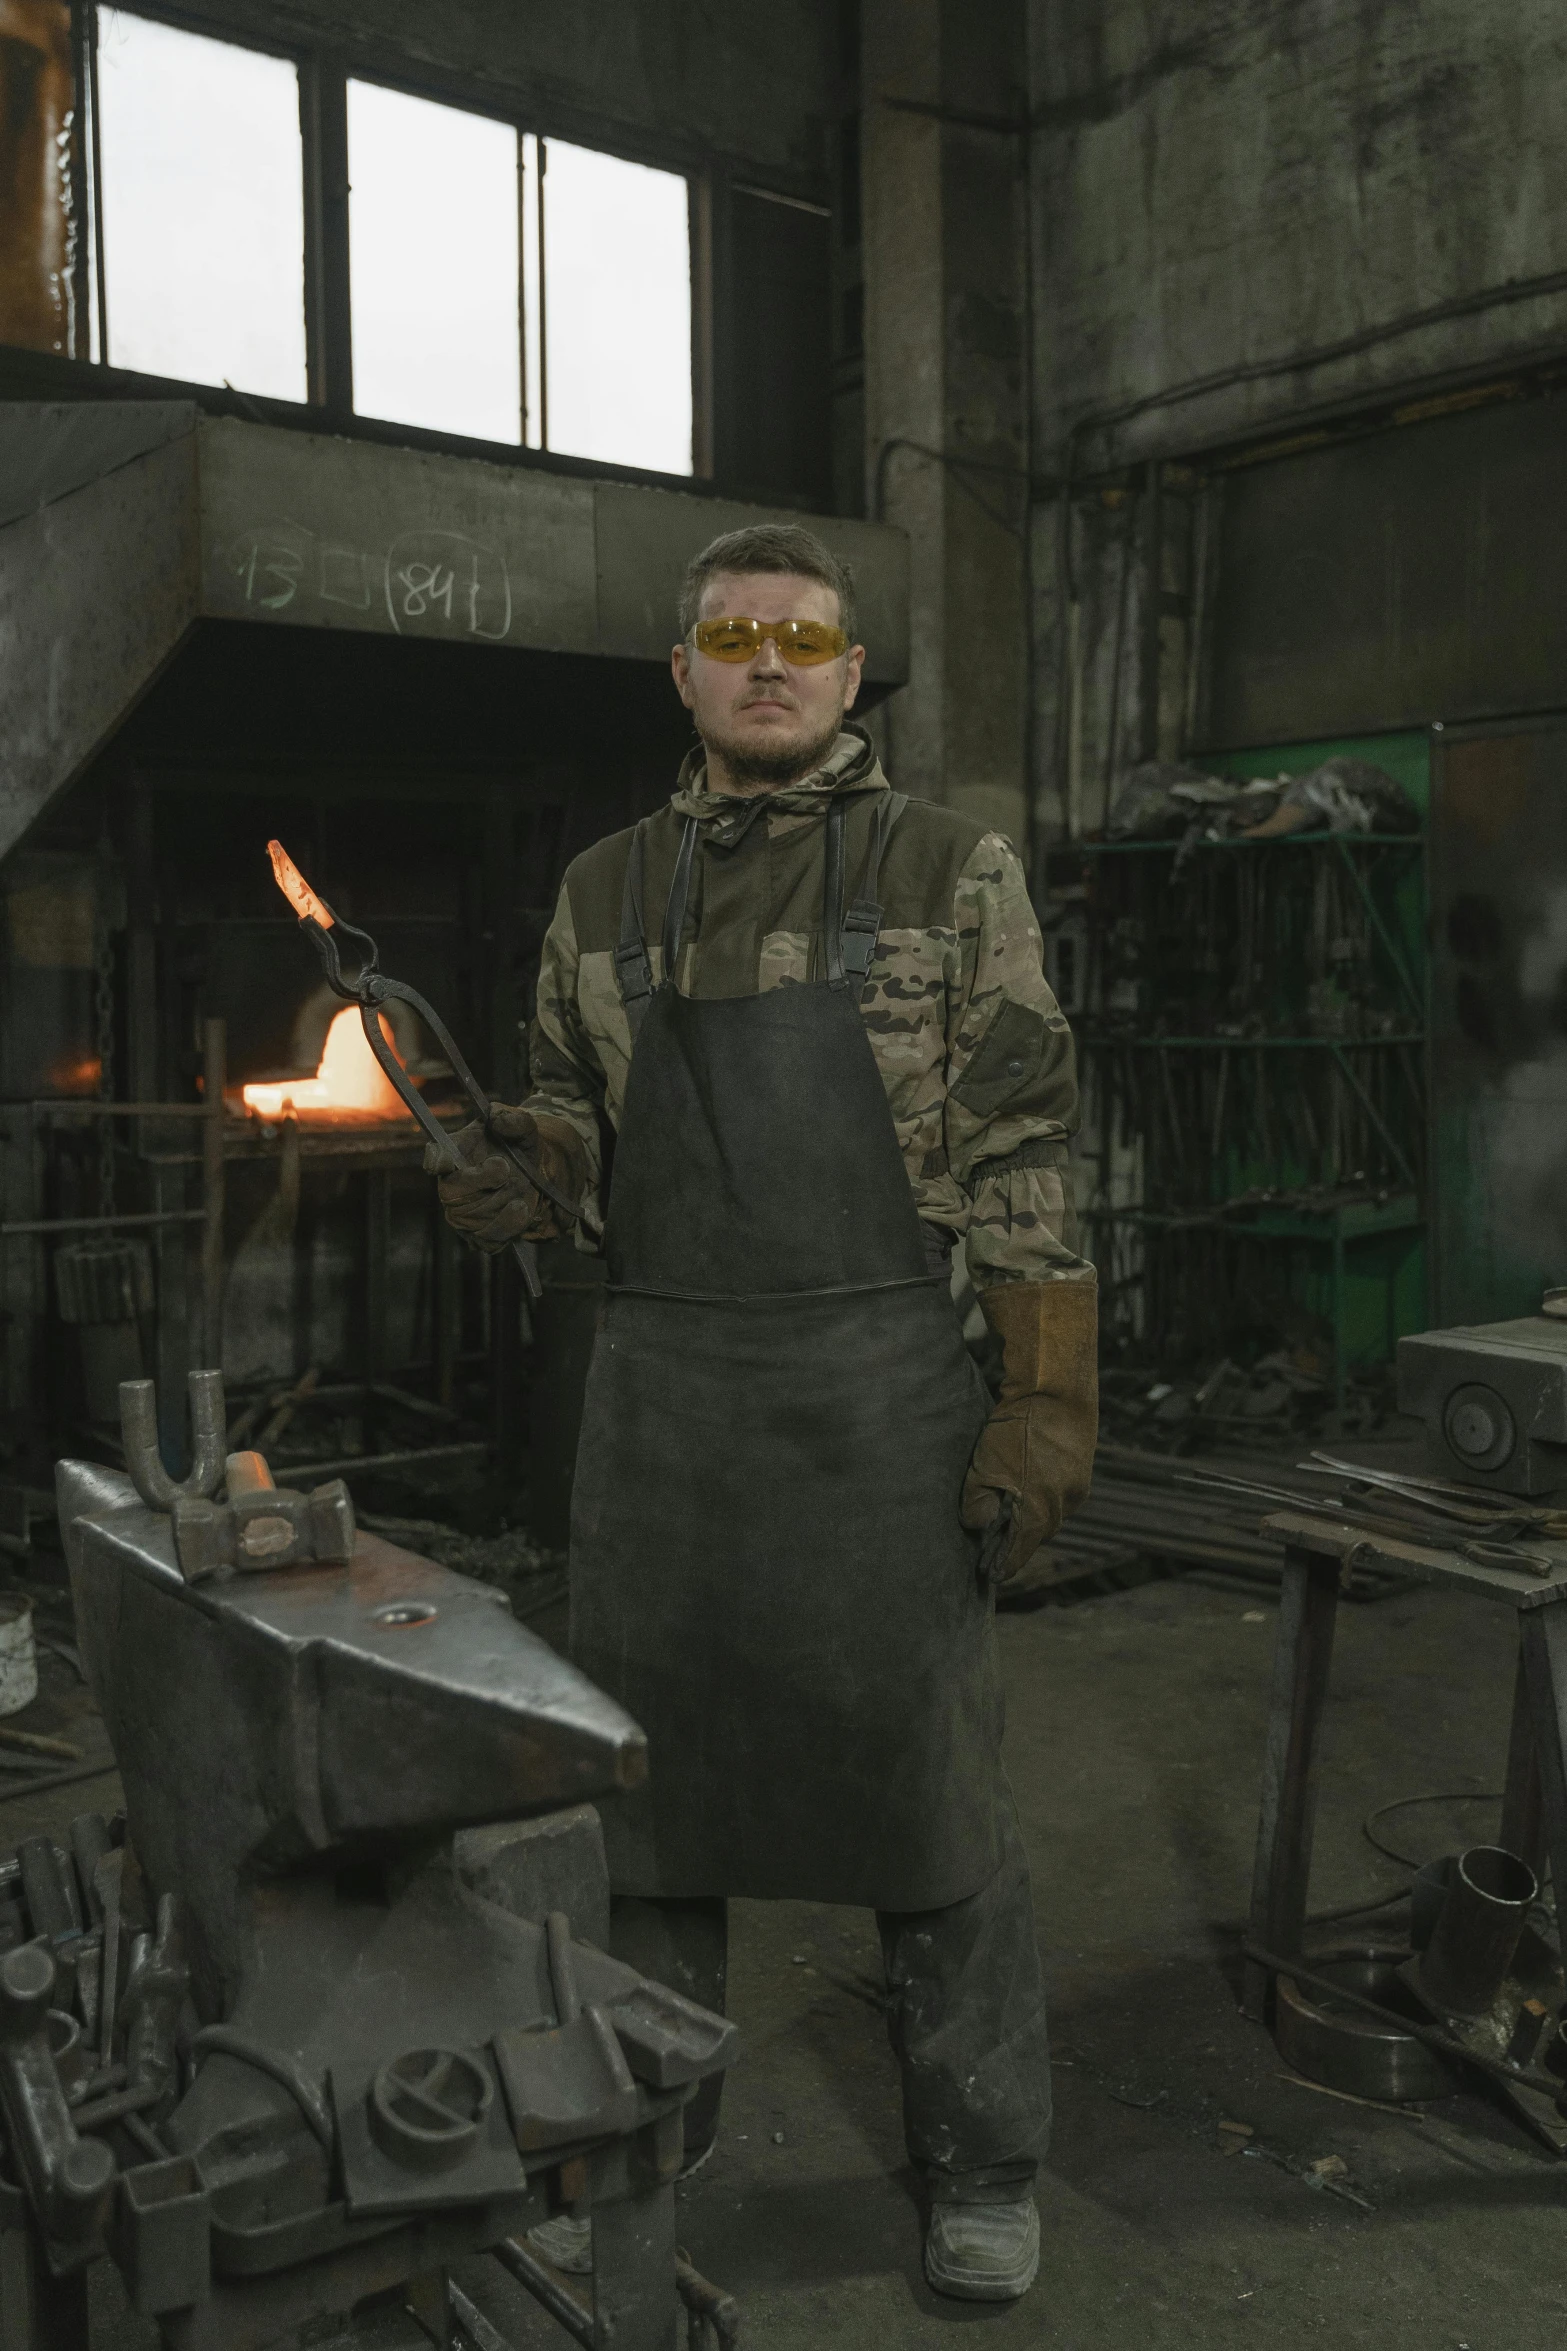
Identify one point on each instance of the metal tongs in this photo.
(370, 988)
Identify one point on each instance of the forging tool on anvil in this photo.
(370, 988)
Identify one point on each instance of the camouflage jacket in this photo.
(972, 1047)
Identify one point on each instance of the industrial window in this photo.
(551, 305)
(202, 196)
(481, 280)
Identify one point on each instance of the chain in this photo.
(103, 1007)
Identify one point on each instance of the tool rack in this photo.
(1250, 1019)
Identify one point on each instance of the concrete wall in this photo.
(1262, 218)
(683, 78)
(946, 295)
(1233, 182)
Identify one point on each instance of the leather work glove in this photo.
(489, 1200)
(1038, 1445)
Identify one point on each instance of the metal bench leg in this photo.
(38, 2312)
(1543, 1642)
(635, 2305)
(1523, 1800)
(1288, 1819)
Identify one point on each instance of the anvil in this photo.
(308, 2041)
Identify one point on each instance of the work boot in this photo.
(983, 2252)
(565, 2242)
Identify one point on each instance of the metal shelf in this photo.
(1174, 841)
(1348, 1220)
(1250, 1044)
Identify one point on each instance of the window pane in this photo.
(617, 310)
(203, 208)
(432, 229)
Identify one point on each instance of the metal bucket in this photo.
(18, 1656)
(1463, 1966)
(1344, 2048)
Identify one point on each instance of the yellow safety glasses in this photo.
(803, 643)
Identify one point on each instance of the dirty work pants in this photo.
(965, 2015)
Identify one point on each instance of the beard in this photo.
(750, 764)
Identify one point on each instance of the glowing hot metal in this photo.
(296, 889)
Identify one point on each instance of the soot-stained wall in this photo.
(1257, 223)
(687, 76)
(1228, 183)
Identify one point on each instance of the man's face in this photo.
(767, 719)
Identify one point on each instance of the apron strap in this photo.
(679, 892)
(851, 938)
(633, 971)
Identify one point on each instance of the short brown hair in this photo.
(768, 546)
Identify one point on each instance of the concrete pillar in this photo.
(945, 236)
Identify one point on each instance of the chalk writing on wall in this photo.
(430, 583)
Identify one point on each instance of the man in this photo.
(793, 1036)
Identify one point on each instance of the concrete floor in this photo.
(1134, 1742)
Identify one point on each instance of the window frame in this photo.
(325, 71)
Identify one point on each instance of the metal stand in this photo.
(1534, 1809)
(38, 2311)
(635, 2305)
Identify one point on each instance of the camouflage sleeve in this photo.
(1011, 1083)
(567, 1080)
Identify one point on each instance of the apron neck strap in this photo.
(679, 893)
(633, 971)
(850, 939)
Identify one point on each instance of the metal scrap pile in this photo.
(1276, 1404)
(1163, 798)
(1209, 1513)
(1147, 1506)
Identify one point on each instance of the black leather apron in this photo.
(767, 1565)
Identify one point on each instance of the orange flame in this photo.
(350, 1083)
(296, 889)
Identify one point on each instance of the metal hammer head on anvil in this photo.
(263, 1716)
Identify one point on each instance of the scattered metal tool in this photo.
(1510, 1555)
(370, 988)
(1442, 1495)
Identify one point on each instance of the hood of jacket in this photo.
(850, 766)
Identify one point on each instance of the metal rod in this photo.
(59, 1779)
(1375, 1116)
(89, 1224)
(561, 2306)
(117, 2106)
(416, 1453)
(73, 1106)
(1373, 913)
(214, 1060)
(706, 2302)
(473, 2321)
